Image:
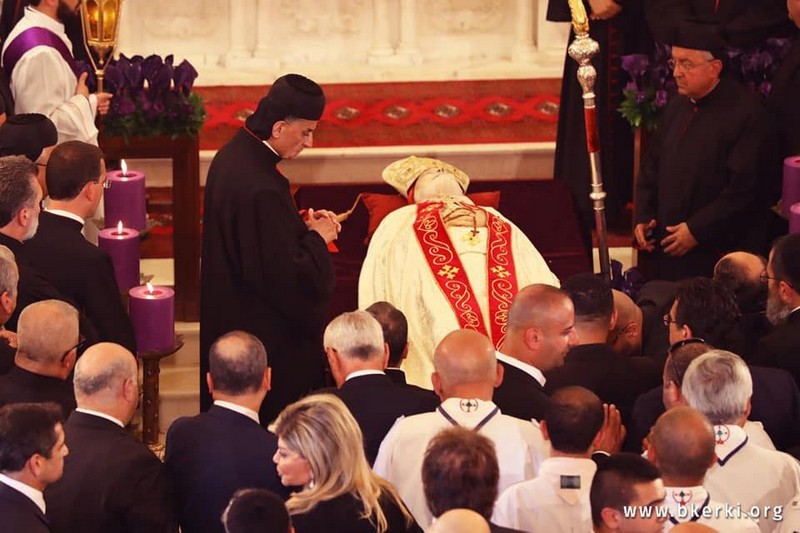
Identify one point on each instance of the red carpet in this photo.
(409, 113)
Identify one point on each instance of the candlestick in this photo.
(122, 244)
(152, 311)
(791, 183)
(794, 218)
(125, 198)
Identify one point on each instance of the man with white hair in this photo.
(9, 277)
(48, 343)
(718, 384)
(358, 357)
(445, 262)
(466, 374)
(111, 482)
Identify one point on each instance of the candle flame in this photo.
(124, 167)
(149, 287)
(119, 227)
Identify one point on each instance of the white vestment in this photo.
(750, 476)
(556, 501)
(694, 504)
(42, 82)
(520, 447)
(396, 270)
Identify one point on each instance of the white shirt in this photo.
(249, 413)
(395, 270)
(757, 435)
(110, 418)
(791, 517)
(531, 370)
(42, 82)
(694, 504)
(359, 373)
(751, 476)
(521, 449)
(557, 500)
(65, 214)
(35, 495)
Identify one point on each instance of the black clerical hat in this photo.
(701, 35)
(27, 134)
(291, 95)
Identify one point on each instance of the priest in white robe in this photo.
(446, 263)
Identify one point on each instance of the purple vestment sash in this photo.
(30, 38)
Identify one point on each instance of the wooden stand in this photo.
(151, 368)
(185, 155)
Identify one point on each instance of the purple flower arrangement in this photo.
(756, 66)
(152, 96)
(650, 87)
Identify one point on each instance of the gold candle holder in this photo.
(100, 30)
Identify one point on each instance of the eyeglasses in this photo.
(77, 347)
(765, 279)
(668, 320)
(685, 65)
(675, 346)
(106, 184)
(43, 165)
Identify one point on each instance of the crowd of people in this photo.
(530, 403)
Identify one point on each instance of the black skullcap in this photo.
(698, 34)
(291, 95)
(27, 134)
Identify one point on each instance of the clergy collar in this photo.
(730, 439)
(65, 214)
(531, 370)
(367, 372)
(45, 21)
(686, 504)
(249, 413)
(708, 97)
(275, 155)
(35, 495)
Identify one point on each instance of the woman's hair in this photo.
(322, 430)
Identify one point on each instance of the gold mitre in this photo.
(404, 172)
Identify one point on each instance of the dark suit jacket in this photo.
(18, 513)
(111, 482)
(780, 348)
(398, 377)
(343, 515)
(784, 104)
(83, 273)
(655, 299)
(376, 403)
(212, 455)
(20, 386)
(614, 378)
(7, 354)
(520, 395)
(775, 403)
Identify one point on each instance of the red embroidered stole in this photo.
(448, 271)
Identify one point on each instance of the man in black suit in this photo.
(9, 277)
(781, 346)
(32, 135)
(111, 482)
(48, 341)
(256, 510)
(593, 364)
(357, 354)
(541, 330)
(32, 451)
(76, 177)
(212, 455)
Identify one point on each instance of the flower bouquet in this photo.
(152, 97)
(649, 88)
(756, 66)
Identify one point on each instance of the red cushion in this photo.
(380, 205)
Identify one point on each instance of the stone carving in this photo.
(323, 18)
(462, 16)
(183, 19)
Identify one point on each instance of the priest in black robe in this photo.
(267, 270)
(696, 195)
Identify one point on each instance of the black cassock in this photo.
(703, 168)
(263, 271)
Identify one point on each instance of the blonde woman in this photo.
(320, 448)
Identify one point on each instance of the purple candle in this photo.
(791, 183)
(125, 198)
(152, 311)
(794, 218)
(122, 244)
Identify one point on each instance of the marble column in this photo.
(408, 47)
(381, 43)
(524, 49)
(265, 53)
(238, 53)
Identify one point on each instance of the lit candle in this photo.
(791, 183)
(794, 218)
(125, 198)
(122, 244)
(152, 311)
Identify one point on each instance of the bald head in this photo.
(683, 441)
(626, 339)
(465, 357)
(106, 380)
(741, 273)
(573, 418)
(532, 306)
(237, 362)
(46, 331)
(460, 521)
